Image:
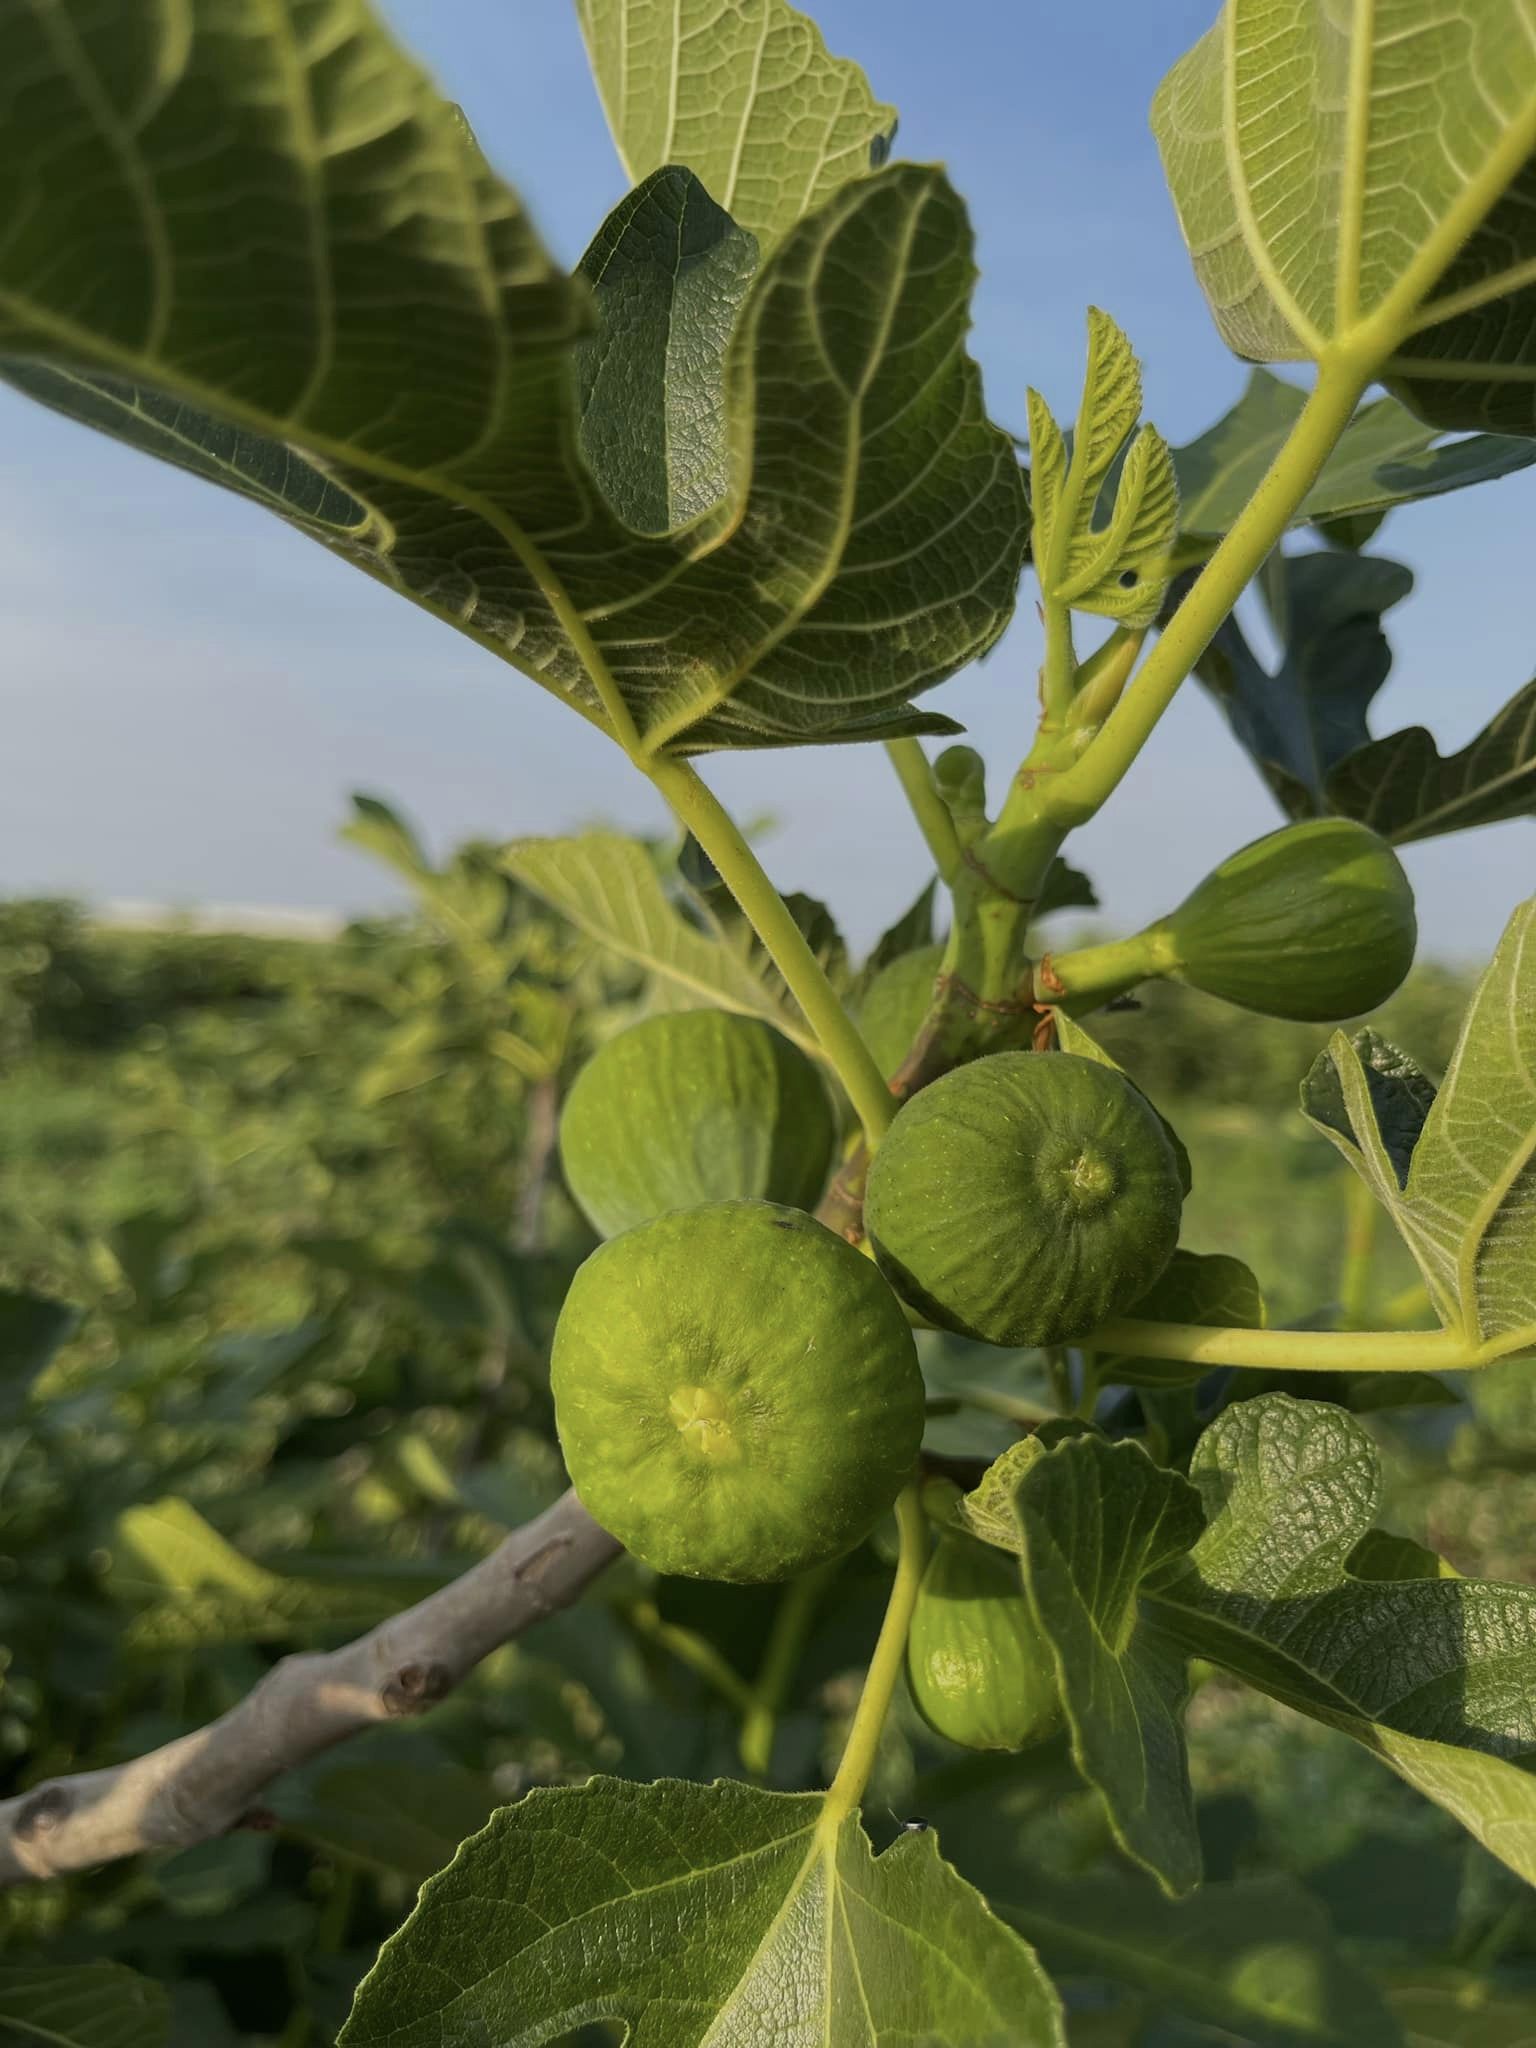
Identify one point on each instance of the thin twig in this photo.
(204, 1784)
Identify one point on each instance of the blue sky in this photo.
(189, 690)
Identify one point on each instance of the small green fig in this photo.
(736, 1390)
(695, 1106)
(895, 1004)
(979, 1669)
(1315, 922)
(1025, 1198)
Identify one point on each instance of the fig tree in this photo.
(1025, 1198)
(979, 1669)
(736, 1391)
(697, 1106)
(1315, 922)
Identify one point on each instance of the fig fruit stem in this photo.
(1313, 1350)
(700, 810)
(933, 816)
(1092, 975)
(1082, 789)
(846, 1791)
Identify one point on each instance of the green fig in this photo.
(1025, 1198)
(895, 1004)
(695, 1106)
(736, 1390)
(978, 1667)
(1315, 922)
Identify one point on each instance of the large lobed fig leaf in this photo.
(400, 373)
(700, 1914)
(1369, 189)
(748, 97)
(1456, 1168)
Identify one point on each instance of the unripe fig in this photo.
(1025, 1198)
(696, 1106)
(895, 1004)
(736, 1391)
(979, 1669)
(1315, 922)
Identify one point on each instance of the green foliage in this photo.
(1099, 1525)
(1384, 458)
(682, 1908)
(292, 1288)
(98, 2005)
(752, 103)
(1376, 217)
(1454, 1168)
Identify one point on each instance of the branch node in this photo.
(42, 1813)
(414, 1688)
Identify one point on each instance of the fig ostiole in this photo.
(691, 1107)
(736, 1390)
(1025, 1198)
(979, 1669)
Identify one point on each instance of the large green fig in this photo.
(697, 1106)
(979, 1669)
(736, 1390)
(1315, 921)
(1025, 1198)
(895, 1004)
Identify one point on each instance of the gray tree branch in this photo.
(204, 1784)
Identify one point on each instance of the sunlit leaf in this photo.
(407, 338)
(1456, 1169)
(1435, 1677)
(1106, 515)
(1365, 175)
(700, 1914)
(608, 887)
(746, 96)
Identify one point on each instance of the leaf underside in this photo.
(700, 1914)
(1382, 173)
(399, 373)
(1455, 1169)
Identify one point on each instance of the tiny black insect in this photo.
(915, 1826)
